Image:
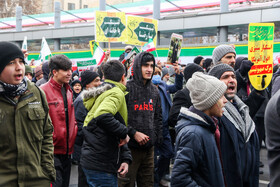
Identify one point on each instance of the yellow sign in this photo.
(260, 52)
(140, 30)
(110, 26)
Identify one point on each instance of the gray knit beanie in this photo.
(220, 51)
(171, 71)
(205, 90)
(164, 71)
(218, 70)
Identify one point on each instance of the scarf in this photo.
(13, 90)
(241, 120)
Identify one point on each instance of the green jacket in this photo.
(106, 100)
(26, 146)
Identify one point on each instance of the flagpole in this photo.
(157, 54)
(109, 46)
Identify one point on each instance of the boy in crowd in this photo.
(144, 121)
(104, 151)
(26, 153)
(197, 161)
(59, 96)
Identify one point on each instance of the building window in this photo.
(85, 6)
(71, 6)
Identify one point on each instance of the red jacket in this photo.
(57, 113)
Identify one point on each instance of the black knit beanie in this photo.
(218, 70)
(190, 69)
(9, 52)
(87, 77)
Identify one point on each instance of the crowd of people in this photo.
(126, 126)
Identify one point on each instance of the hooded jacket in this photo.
(197, 160)
(46, 72)
(144, 107)
(104, 126)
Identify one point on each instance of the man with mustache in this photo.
(59, 96)
(238, 137)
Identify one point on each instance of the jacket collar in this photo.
(195, 115)
(58, 86)
(117, 84)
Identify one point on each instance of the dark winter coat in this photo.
(254, 101)
(144, 108)
(272, 127)
(103, 128)
(80, 115)
(166, 103)
(239, 146)
(181, 99)
(238, 156)
(197, 161)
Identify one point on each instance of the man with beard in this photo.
(238, 137)
(224, 54)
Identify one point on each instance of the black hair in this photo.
(147, 57)
(113, 70)
(58, 62)
(100, 70)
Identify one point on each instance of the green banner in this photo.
(260, 33)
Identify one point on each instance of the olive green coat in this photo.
(26, 145)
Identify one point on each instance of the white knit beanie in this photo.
(205, 90)
(220, 51)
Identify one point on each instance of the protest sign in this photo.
(260, 52)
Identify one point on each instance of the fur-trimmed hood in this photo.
(89, 96)
(95, 91)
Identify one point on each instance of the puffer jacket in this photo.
(197, 160)
(144, 108)
(64, 134)
(104, 126)
(26, 146)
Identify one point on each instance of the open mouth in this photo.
(18, 76)
(231, 88)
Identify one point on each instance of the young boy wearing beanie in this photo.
(197, 161)
(26, 153)
(89, 79)
(28, 72)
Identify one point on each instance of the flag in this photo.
(24, 43)
(86, 65)
(45, 50)
(97, 52)
(149, 46)
(24, 47)
(134, 51)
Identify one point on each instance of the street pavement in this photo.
(264, 178)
